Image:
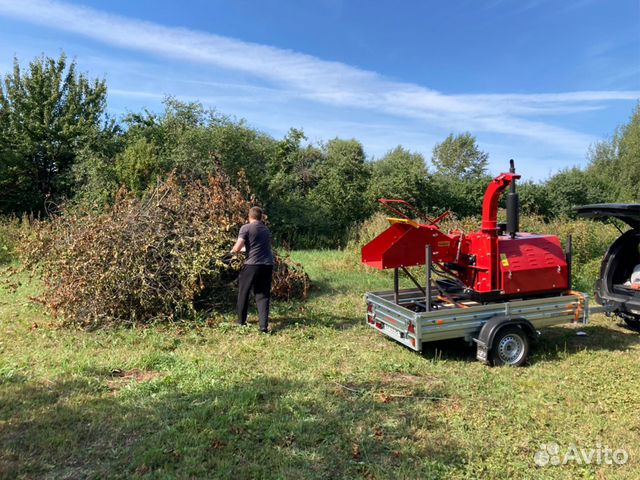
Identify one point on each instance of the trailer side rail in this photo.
(412, 328)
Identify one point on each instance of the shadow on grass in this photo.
(557, 341)
(454, 349)
(263, 428)
(553, 343)
(338, 322)
(320, 288)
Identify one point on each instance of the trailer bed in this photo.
(408, 323)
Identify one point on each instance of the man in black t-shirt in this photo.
(255, 238)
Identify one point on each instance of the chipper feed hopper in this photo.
(496, 262)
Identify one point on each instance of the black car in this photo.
(614, 290)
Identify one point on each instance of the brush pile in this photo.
(157, 258)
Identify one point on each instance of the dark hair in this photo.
(255, 213)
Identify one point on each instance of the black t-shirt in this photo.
(257, 241)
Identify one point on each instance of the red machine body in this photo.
(488, 262)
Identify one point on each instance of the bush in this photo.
(289, 279)
(9, 238)
(158, 258)
(584, 275)
(365, 231)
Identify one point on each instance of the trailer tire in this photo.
(510, 347)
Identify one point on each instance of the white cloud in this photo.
(296, 75)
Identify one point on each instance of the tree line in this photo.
(58, 144)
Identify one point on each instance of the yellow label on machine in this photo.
(406, 221)
(504, 259)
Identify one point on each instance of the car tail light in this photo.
(412, 328)
(379, 325)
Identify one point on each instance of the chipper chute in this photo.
(403, 243)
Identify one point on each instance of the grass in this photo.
(324, 397)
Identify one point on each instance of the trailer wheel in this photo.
(510, 347)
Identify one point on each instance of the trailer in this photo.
(502, 331)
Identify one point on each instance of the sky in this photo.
(539, 81)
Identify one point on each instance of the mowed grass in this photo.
(324, 397)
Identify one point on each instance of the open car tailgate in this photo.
(627, 212)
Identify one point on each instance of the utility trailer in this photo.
(502, 331)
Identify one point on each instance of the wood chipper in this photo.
(495, 286)
(493, 263)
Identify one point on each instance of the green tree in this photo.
(459, 157)
(400, 174)
(462, 196)
(343, 178)
(196, 141)
(571, 187)
(534, 199)
(292, 176)
(291, 171)
(47, 115)
(138, 166)
(616, 162)
(629, 153)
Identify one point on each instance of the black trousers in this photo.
(257, 277)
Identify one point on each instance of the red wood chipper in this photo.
(496, 262)
(496, 287)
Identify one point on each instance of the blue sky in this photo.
(536, 80)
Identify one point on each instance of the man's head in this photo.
(255, 214)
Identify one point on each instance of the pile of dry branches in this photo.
(158, 258)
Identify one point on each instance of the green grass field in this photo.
(324, 397)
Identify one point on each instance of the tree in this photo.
(459, 157)
(400, 174)
(343, 177)
(534, 199)
(138, 166)
(616, 162)
(292, 176)
(47, 115)
(572, 187)
(461, 196)
(629, 152)
(196, 141)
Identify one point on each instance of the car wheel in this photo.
(632, 321)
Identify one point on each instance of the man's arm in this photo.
(239, 246)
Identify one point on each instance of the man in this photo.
(256, 272)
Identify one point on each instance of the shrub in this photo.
(289, 279)
(158, 258)
(365, 231)
(9, 237)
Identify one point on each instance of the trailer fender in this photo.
(491, 328)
